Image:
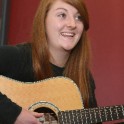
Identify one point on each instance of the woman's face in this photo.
(64, 26)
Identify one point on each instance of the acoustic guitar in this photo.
(59, 99)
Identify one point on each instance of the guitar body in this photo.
(57, 93)
(59, 99)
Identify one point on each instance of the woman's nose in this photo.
(71, 22)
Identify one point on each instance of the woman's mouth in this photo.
(68, 34)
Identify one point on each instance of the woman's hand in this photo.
(28, 117)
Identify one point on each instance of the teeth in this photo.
(68, 34)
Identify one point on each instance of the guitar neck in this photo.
(92, 115)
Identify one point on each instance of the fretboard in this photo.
(92, 115)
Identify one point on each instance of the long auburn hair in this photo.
(77, 67)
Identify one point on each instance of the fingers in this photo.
(37, 115)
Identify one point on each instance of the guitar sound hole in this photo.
(49, 116)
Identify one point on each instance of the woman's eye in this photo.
(78, 17)
(62, 15)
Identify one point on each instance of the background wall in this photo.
(107, 38)
(21, 18)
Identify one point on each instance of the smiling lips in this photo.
(68, 34)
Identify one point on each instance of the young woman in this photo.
(59, 47)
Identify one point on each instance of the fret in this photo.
(85, 116)
(117, 112)
(105, 113)
(100, 114)
(69, 116)
(78, 115)
(95, 115)
(66, 117)
(74, 117)
(81, 115)
(122, 107)
(61, 118)
(120, 110)
(111, 113)
(90, 116)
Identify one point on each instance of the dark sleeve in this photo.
(9, 61)
(9, 111)
(16, 62)
(92, 99)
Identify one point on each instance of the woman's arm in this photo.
(9, 111)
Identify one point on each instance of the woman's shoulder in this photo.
(23, 46)
(12, 57)
(12, 50)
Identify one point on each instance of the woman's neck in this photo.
(59, 58)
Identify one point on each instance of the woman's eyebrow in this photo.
(62, 9)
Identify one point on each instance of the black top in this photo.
(16, 63)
